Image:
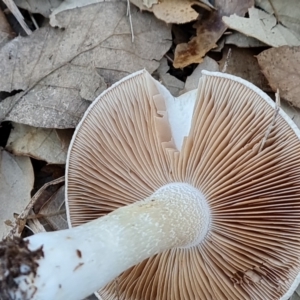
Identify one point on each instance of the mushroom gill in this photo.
(126, 147)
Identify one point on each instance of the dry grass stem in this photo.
(227, 61)
(15, 11)
(130, 20)
(17, 229)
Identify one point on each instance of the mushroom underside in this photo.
(124, 150)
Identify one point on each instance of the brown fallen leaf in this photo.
(54, 210)
(174, 11)
(16, 182)
(242, 63)
(209, 29)
(263, 27)
(281, 66)
(59, 69)
(6, 32)
(39, 143)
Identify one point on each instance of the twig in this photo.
(169, 58)
(275, 114)
(15, 11)
(275, 12)
(24, 214)
(226, 61)
(130, 20)
(33, 21)
(37, 216)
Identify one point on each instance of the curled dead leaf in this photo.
(281, 66)
(209, 29)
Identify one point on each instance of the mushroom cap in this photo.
(136, 137)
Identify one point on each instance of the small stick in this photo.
(226, 61)
(24, 214)
(33, 21)
(169, 58)
(275, 114)
(130, 20)
(16, 12)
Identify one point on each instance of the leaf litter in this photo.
(49, 77)
(38, 64)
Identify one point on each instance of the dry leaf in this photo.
(173, 84)
(44, 8)
(58, 69)
(174, 11)
(54, 210)
(209, 29)
(263, 27)
(6, 32)
(58, 101)
(193, 80)
(16, 182)
(242, 63)
(240, 40)
(281, 66)
(39, 143)
(286, 12)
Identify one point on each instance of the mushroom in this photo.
(221, 208)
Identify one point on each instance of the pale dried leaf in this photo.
(39, 143)
(174, 11)
(44, 8)
(54, 210)
(173, 84)
(209, 29)
(286, 12)
(16, 182)
(58, 69)
(281, 66)
(263, 27)
(240, 40)
(69, 5)
(192, 81)
(58, 101)
(242, 63)
(6, 32)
